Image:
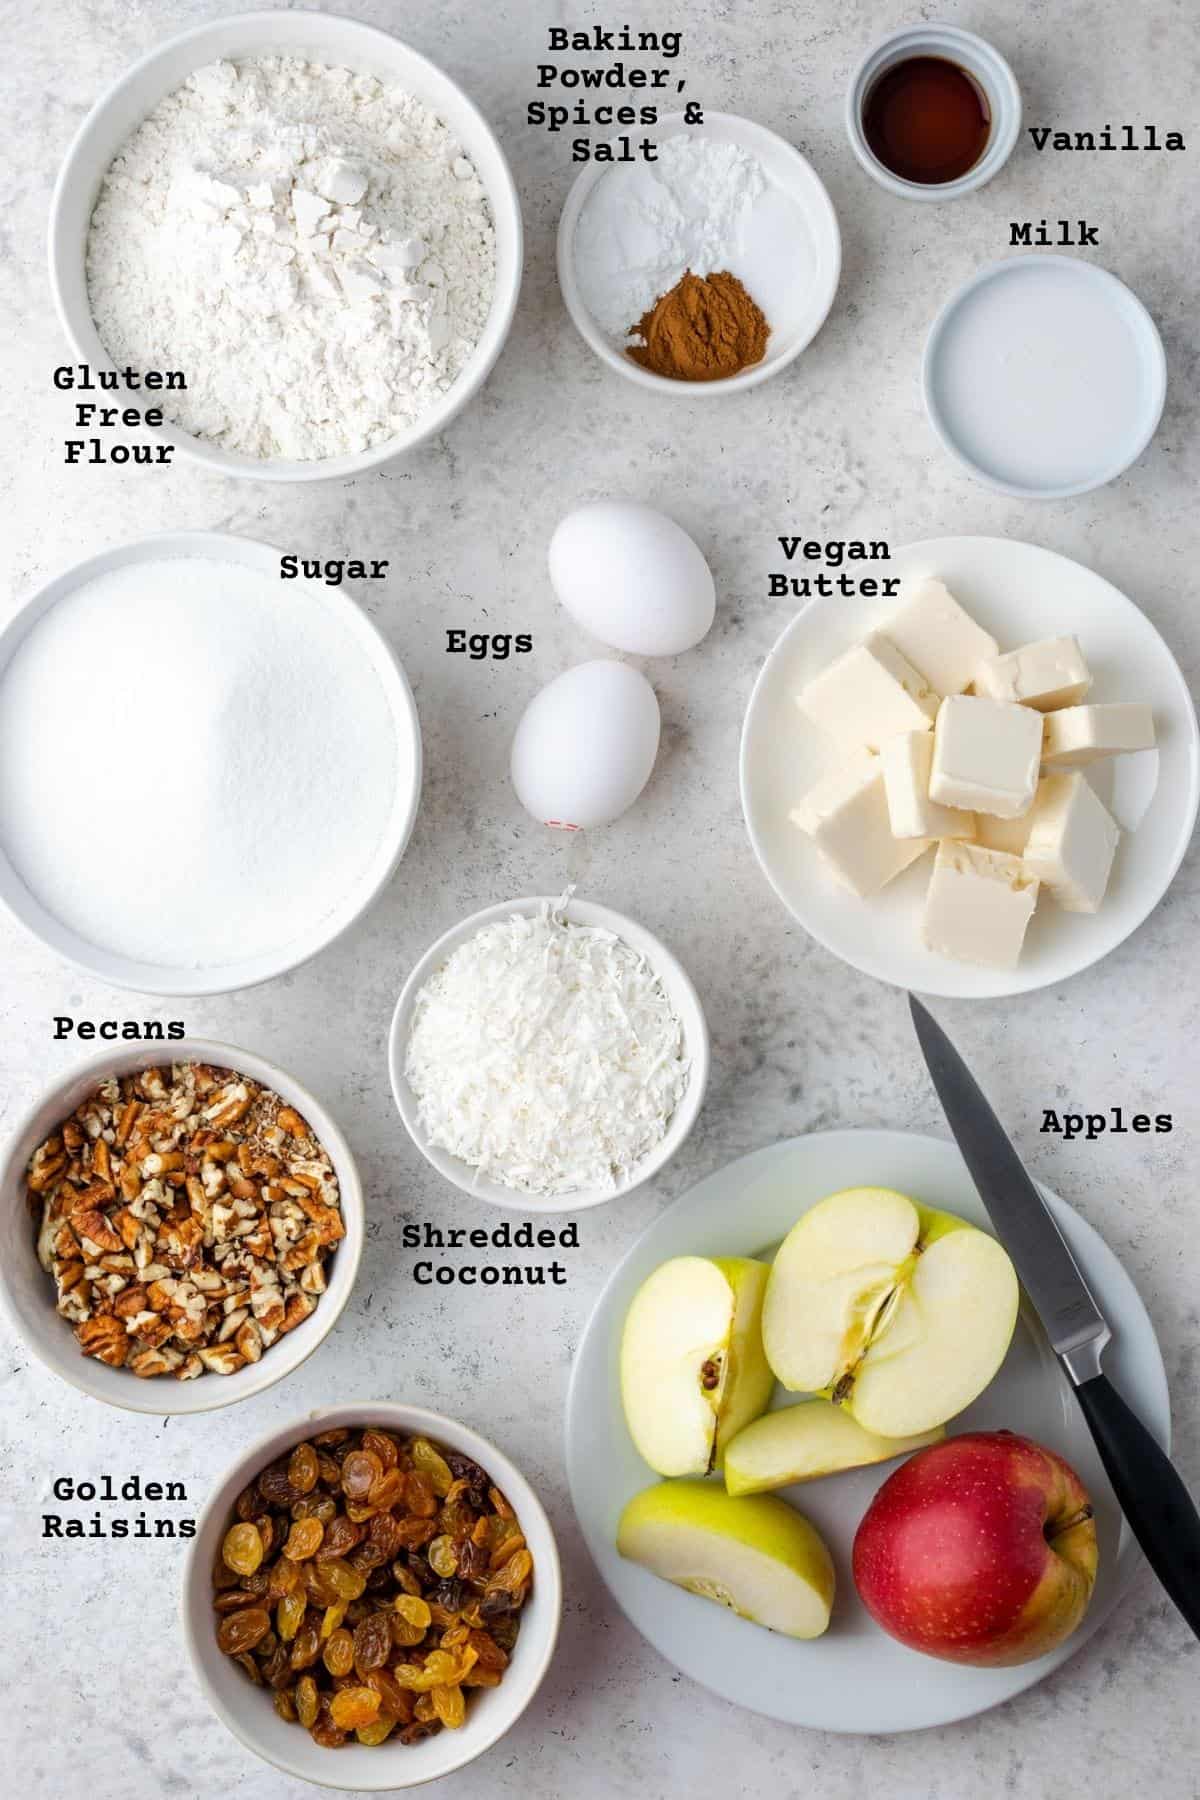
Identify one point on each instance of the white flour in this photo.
(645, 225)
(310, 247)
(194, 768)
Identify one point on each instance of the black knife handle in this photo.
(1161, 1513)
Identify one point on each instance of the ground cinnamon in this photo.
(704, 329)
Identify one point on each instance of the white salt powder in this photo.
(197, 766)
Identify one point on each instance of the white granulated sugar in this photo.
(644, 226)
(197, 766)
(310, 247)
(546, 1055)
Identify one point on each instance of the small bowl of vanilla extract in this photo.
(933, 112)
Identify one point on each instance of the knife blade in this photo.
(1149, 1490)
(1048, 1272)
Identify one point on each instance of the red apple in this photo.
(981, 1549)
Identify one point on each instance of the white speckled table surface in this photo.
(101, 1701)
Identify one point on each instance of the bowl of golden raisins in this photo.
(376, 1581)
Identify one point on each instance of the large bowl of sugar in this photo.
(410, 87)
(207, 772)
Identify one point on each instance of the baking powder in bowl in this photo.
(310, 247)
(196, 768)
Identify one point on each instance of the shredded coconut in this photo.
(310, 248)
(546, 1055)
(645, 225)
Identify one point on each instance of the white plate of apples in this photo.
(822, 1453)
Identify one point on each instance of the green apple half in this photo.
(692, 1365)
(758, 1556)
(806, 1441)
(899, 1314)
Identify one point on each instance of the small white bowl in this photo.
(323, 38)
(980, 61)
(28, 1292)
(247, 1710)
(793, 176)
(683, 997)
(222, 978)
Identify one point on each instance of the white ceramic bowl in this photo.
(247, 1710)
(324, 38)
(683, 997)
(981, 61)
(797, 185)
(222, 978)
(28, 1292)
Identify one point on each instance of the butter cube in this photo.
(1083, 734)
(906, 761)
(1072, 842)
(939, 638)
(986, 755)
(1046, 675)
(978, 905)
(846, 816)
(869, 695)
(1009, 835)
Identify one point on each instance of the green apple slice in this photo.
(806, 1441)
(897, 1313)
(757, 1556)
(693, 1371)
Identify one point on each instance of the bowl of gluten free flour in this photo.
(305, 228)
(207, 772)
(548, 1055)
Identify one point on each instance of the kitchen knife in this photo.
(1160, 1511)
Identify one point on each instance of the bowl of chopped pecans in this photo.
(176, 1236)
(372, 1597)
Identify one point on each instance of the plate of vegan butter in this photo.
(979, 785)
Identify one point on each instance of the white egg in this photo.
(632, 577)
(585, 745)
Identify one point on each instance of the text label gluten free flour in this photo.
(198, 765)
(311, 247)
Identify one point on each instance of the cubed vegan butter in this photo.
(1009, 835)
(1072, 842)
(932, 630)
(846, 816)
(869, 695)
(978, 905)
(1083, 734)
(986, 755)
(906, 762)
(1045, 675)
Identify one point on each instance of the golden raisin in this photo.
(308, 1701)
(432, 1463)
(354, 1706)
(376, 1732)
(303, 1468)
(413, 1610)
(240, 1631)
(289, 1615)
(360, 1471)
(242, 1549)
(443, 1557)
(304, 1539)
(339, 1653)
(450, 1706)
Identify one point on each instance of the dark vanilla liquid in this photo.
(927, 120)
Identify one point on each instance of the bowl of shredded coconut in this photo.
(296, 232)
(548, 1055)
